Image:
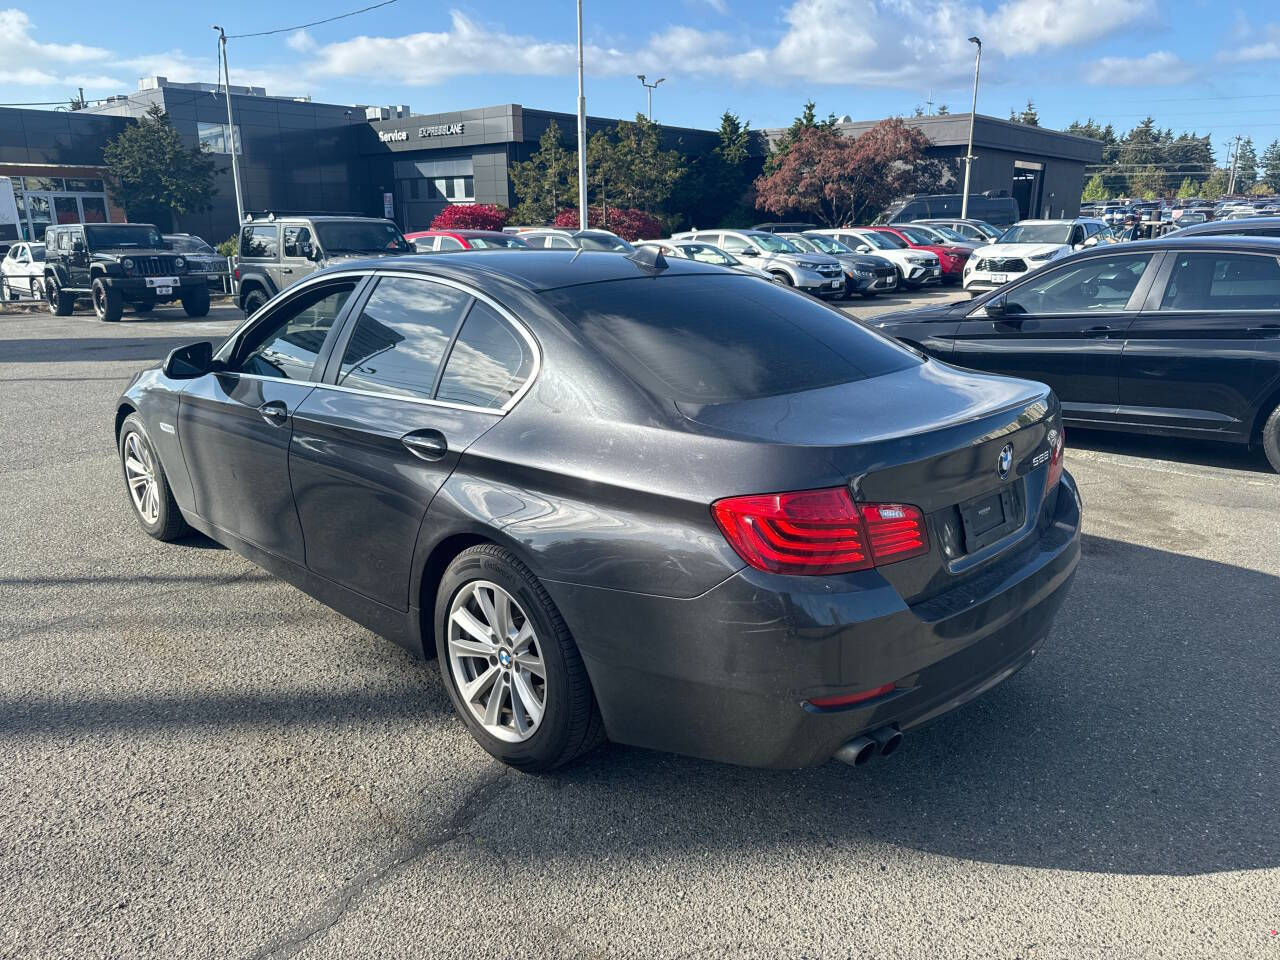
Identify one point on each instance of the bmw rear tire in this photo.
(511, 667)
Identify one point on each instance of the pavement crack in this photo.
(325, 916)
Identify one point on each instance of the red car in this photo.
(950, 257)
(442, 241)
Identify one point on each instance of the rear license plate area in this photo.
(990, 517)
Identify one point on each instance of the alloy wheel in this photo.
(140, 475)
(496, 661)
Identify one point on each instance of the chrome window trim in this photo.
(501, 310)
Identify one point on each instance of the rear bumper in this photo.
(727, 675)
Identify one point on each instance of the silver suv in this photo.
(277, 252)
(553, 238)
(814, 273)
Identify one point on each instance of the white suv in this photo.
(918, 268)
(1028, 245)
(814, 273)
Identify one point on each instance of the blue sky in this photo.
(1195, 65)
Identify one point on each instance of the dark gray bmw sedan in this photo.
(620, 497)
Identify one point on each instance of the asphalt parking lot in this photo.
(200, 761)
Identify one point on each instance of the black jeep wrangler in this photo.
(117, 263)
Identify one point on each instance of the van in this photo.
(999, 211)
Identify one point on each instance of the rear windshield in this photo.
(719, 338)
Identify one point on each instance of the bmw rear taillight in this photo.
(1057, 453)
(819, 531)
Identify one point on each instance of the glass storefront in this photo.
(42, 201)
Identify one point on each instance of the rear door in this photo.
(1207, 345)
(424, 368)
(1065, 327)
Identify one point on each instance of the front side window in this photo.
(488, 363)
(1223, 281)
(401, 337)
(286, 344)
(294, 239)
(260, 241)
(916, 235)
(705, 253)
(882, 241)
(772, 243)
(559, 243)
(450, 243)
(1095, 286)
(734, 244)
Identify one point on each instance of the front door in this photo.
(235, 425)
(1064, 327)
(294, 263)
(423, 371)
(1207, 346)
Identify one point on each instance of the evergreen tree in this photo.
(1216, 185)
(547, 182)
(1095, 189)
(154, 175)
(1190, 188)
(1271, 166)
(1029, 116)
(1246, 165)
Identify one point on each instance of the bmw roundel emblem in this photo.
(1006, 460)
(504, 658)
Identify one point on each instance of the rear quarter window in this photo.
(721, 338)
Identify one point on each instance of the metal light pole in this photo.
(650, 87)
(973, 112)
(231, 129)
(582, 133)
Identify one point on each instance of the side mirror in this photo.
(187, 363)
(77, 246)
(305, 249)
(1090, 242)
(995, 307)
(312, 252)
(862, 248)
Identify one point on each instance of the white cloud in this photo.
(26, 62)
(824, 42)
(1255, 44)
(719, 6)
(1158, 68)
(301, 41)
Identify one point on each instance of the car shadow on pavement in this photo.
(1228, 456)
(1142, 740)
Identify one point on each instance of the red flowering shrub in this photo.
(473, 216)
(628, 224)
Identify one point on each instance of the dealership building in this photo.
(298, 155)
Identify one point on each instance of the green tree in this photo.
(1246, 165)
(646, 175)
(943, 110)
(808, 120)
(1029, 116)
(1216, 184)
(1095, 189)
(154, 176)
(1190, 188)
(717, 187)
(1148, 183)
(547, 182)
(78, 102)
(1271, 166)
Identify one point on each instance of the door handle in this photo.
(426, 444)
(274, 412)
(1100, 331)
(287, 270)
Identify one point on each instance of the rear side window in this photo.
(401, 336)
(488, 363)
(719, 338)
(260, 242)
(1217, 281)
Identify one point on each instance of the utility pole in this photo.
(231, 128)
(582, 133)
(973, 113)
(1235, 156)
(650, 87)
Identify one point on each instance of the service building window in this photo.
(213, 137)
(455, 189)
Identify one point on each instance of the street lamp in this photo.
(650, 87)
(973, 112)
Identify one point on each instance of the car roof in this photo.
(1244, 222)
(1175, 241)
(536, 270)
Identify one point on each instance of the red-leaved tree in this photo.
(843, 181)
(471, 216)
(628, 224)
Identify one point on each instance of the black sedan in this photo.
(1178, 336)
(624, 496)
